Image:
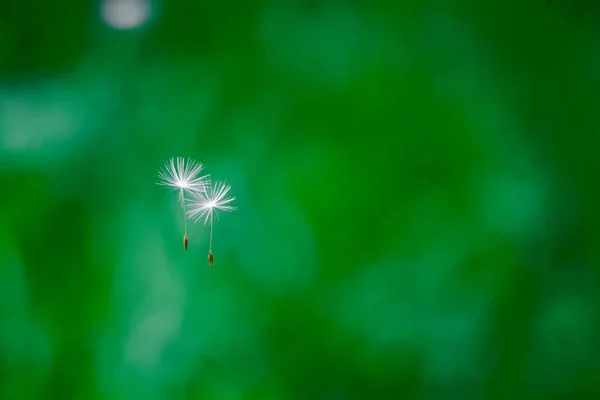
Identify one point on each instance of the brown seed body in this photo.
(210, 259)
(185, 241)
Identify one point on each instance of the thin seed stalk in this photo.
(211, 228)
(184, 219)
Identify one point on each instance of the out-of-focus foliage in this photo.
(417, 193)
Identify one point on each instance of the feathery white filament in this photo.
(183, 177)
(204, 203)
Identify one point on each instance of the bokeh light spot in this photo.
(125, 14)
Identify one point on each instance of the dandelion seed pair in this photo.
(204, 197)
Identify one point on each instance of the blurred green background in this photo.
(416, 183)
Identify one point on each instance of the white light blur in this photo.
(125, 14)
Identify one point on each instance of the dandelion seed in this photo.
(183, 177)
(204, 205)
